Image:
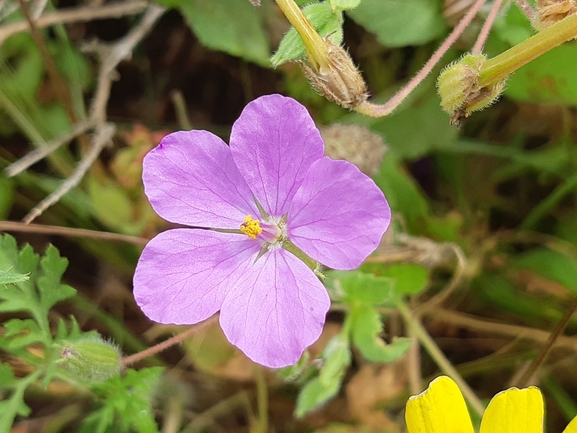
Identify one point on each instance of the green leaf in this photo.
(337, 357)
(126, 403)
(398, 23)
(402, 192)
(550, 264)
(409, 278)
(319, 390)
(550, 78)
(366, 326)
(44, 288)
(313, 395)
(111, 204)
(357, 286)
(21, 333)
(50, 288)
(7, 378)
(232, 26)
(324, 19)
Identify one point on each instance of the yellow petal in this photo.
(439, 409)
(514, 411)
(572, 427)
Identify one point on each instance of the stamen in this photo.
(251, 227)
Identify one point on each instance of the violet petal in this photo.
(274, 142)
(190, 178)
(275, 310)
(338, 215)
(183, 274)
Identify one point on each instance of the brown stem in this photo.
(132, 359)
(17, 226)
(557, 332)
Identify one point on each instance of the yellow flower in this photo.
(442, 409)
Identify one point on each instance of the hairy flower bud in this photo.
(550, 12)
(91, 358)
(338, 79)
(458, 87)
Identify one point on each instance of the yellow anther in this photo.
(251, 227)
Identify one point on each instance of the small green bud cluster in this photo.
(458, 86)
(93, 358)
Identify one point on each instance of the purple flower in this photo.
(269, 195)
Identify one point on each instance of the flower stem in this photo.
(559, 329)
(261, 399)
(132, 359)
(484, 34)
(444, 364)
(375, 110)
(503, 65)
(317, 49)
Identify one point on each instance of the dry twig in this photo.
(111, 56)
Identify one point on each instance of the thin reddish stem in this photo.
(132, 359)
(374, 110)
(484, 34)
(527, 9)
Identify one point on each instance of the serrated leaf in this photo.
(232, 26)
(366, 326)
(324, 19)
(50, 288)
(128, 400)
(357, 286)
(42, 289)
(398, 23)
(21, 333)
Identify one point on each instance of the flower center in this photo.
(272, 231)
(251, 227)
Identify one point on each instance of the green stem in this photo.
(317, 49)
(444, 364)
(503, 65)
(261, 399)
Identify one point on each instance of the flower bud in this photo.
(91, 358)
(337, 78)
(550, 12)
(458, 87)
(356, 144)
